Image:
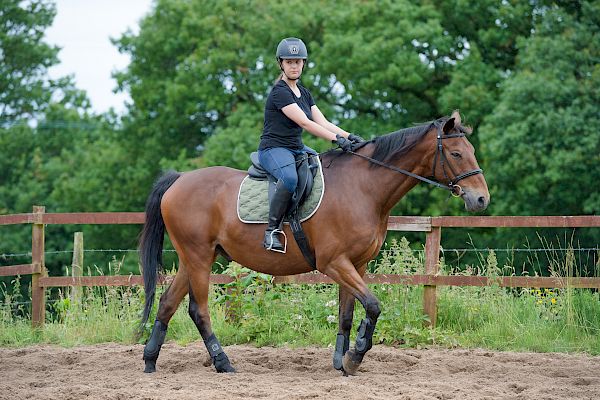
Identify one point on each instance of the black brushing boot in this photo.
(277, 208)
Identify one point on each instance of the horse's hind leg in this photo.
(343, 272)
(169, 302)
(199, 277)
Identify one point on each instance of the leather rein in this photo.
(452, 186)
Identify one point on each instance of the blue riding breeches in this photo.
(281, 163)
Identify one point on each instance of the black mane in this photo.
(399, 142)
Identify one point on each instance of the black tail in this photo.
(151, 239)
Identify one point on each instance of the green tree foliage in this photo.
(24, 58)
(372, 68)
(542, 140)
(231, 144)
(196, 67)
(523, 73)
(55, 152)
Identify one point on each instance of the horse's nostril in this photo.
(481, 201)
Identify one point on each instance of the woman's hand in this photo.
(355, 138)
(345, 144)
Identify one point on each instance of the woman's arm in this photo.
(320, 119)
(295, 113)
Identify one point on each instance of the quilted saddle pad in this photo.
(253, 199)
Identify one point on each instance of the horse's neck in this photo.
(398, 185)
(387, 187)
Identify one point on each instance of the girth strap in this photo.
(301, 239)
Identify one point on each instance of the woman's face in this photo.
(292, 67)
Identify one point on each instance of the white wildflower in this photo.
(331, 319)
(331, 303)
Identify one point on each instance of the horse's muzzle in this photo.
(475, 201)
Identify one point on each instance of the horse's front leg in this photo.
(343, 272)
(169, 302)
(346, 313)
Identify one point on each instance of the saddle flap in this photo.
(313, 167)
(305, 182)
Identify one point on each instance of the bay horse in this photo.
(198, 211)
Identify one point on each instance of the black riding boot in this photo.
(277, 208)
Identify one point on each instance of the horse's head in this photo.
(437, 152)
(454, 163)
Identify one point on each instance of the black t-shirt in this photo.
(279, 130)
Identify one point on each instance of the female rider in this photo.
(289, 109)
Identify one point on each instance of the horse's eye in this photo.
(456, 154)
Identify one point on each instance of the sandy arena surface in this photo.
(114, 371)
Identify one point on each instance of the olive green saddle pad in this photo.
(253, 199)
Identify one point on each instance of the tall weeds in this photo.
(255, 310)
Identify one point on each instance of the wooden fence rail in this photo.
(432, 226)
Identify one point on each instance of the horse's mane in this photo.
(400, 142)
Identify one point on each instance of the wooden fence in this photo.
(432, 226)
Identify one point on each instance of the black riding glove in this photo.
(355, 138)
(345, 144)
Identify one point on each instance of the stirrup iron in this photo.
(275, 231)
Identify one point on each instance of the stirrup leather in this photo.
(270, 247)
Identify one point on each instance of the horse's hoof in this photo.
(228, 368)
(337, 361)
(350, 367)
(150, 366)
(222, 363)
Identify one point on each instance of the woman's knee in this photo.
(290, 180)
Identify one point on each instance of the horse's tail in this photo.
(151, 240)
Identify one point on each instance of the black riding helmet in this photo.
(291, 48)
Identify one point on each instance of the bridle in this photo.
(452, 185)
(455, 189)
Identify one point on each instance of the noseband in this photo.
(452, 186)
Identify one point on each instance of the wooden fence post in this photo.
(38, 297)
(432, 258)
(77, 265)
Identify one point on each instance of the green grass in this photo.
(541, 320)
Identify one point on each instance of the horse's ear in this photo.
(448, 125)
(453, 121)
(456, 116)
